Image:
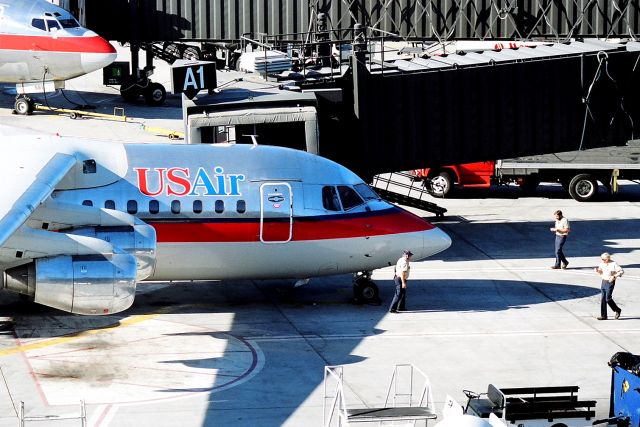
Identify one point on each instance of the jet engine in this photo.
(82, 284)
(138, 240)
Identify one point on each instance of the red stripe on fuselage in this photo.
(93, 44)
(218, 231)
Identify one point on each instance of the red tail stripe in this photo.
(223, 231)
(94, 44)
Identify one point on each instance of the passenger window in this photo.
(87, 203)
(175, 206)
(109, 204)
(132, 207)
(197, 206)
(39, 24)
(154, 206)
(219, 208)
(349, 197)
(330, 199)
(241, 206)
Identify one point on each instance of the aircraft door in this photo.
(276, 212)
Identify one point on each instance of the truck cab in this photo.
(439, 181)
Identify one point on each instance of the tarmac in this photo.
(252, 353)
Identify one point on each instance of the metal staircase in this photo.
(409, 399)
(400, 187)
(168, 52)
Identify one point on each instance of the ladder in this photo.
(50, 418)
(400, 187)
(409, 399)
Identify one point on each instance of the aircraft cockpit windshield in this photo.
(54, 22)
(344, 197)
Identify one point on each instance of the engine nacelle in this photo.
(89, 285)
(139, 241)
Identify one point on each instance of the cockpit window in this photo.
(366, 192)
(349, 197)
(39, 24)
(330, 199)
(69, 23)
(53, 24)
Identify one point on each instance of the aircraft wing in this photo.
(29, 180)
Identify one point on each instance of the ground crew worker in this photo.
(401, 275)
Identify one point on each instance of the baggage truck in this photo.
(557, 406)
(579, 172)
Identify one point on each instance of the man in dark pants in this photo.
(609, 271)
(400, 278)
(561, 230)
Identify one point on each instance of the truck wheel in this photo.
(583, 187)
(529, 184)
(439, 185)
(191, 53)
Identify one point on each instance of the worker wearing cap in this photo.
(400, 277)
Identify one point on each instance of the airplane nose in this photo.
(434, 241)
(99, 54)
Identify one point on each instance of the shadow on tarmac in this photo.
(533, 240)
(293, 368)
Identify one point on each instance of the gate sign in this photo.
(190, 77)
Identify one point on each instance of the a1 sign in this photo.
(192, 77)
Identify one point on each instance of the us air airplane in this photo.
(42, 45)
(81, 222)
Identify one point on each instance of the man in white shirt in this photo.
(400, 278)
(609, 271)
(561, 231)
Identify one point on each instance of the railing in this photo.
(52, 418)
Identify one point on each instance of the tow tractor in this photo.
(532, 406)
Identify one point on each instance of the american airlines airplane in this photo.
(42, 45)
(82, 222)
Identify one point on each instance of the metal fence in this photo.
(225, 20)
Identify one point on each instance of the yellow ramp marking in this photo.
(79, 335)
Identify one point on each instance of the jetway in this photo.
(412, 111)
(442, 20)
(402, 109)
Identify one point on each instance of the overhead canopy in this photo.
(257, 116)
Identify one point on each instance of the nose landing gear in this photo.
(365, 290)
(24, 105)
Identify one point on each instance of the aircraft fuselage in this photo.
(241, 211)
(42, 42)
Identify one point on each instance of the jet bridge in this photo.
(404, 111)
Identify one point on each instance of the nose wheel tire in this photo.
(23, 106)
(155, 94)
(365, 291)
